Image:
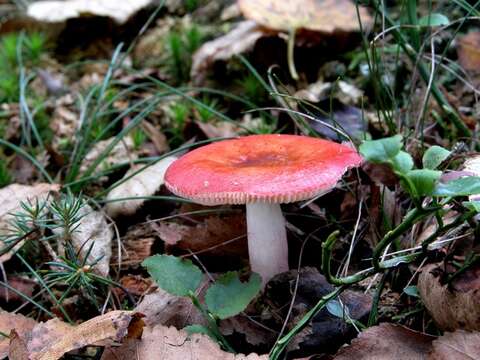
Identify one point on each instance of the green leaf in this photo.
(174, 275)
(434, 19)
(424, 180)
(200, 329)
(382, 150)
(402, 162)
(228, 296)
(466, 186)
(411, 291)
(434, 156)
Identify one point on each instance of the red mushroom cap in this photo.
(260, 168)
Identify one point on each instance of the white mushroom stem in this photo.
(267, 240)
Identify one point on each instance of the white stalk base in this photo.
(267, 240)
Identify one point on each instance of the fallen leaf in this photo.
(58, 11)
(11, 198)
(17, 348)
(51, 342)
(459, 345)
(121, 152)
(156, 136)
(238, 41)
(254, 334)
(455, 307)
(387, 341)
(8, 322)
(22, 284)
(347, 119)
(469, 51)
(45, 334)
(143, 184)
(162, 308)
(168, 343)
(93, 238)
(218, 130)
(213, 232)
(136, 246)
(324, 16)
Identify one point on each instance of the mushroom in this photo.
(261, 171)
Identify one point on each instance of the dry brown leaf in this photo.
(459, 345)
(121, 152)
(105, 329)
(43, 335)
(212, 233)
(58, 11)
(8, 322)
(452, 308)
(144, 183)
(136, 246)
(469, 51)
(168, 343)
(11, 198)
(238, 41)
(324, 16)
(385, 342)
(221, 129)
(22, 284)
(93, 237)
(17, 349)
(156, 136)
(162, 308)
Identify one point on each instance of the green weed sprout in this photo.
(225, 298)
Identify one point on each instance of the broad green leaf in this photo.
(466, 186)
(434, 19)
(434, 156)
(228, 296)
(174, 275)
(424, 180)
(382, 150)
(200, 329)
(411, 291)
(402, 162)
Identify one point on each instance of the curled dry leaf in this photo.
(58, 11)
(93, 237)
(324, 16)
(11, 198)
(239, 40)
(387, 341)
(454, 307)
(8, 322)
(53, 339)
(168, 343)
(459, 345)
(121, 152)
(162, 308)
(144, 183)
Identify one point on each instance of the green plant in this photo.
(207, 111)
(180, 46)
(226, 297)
(252, 88)
(430, 198)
